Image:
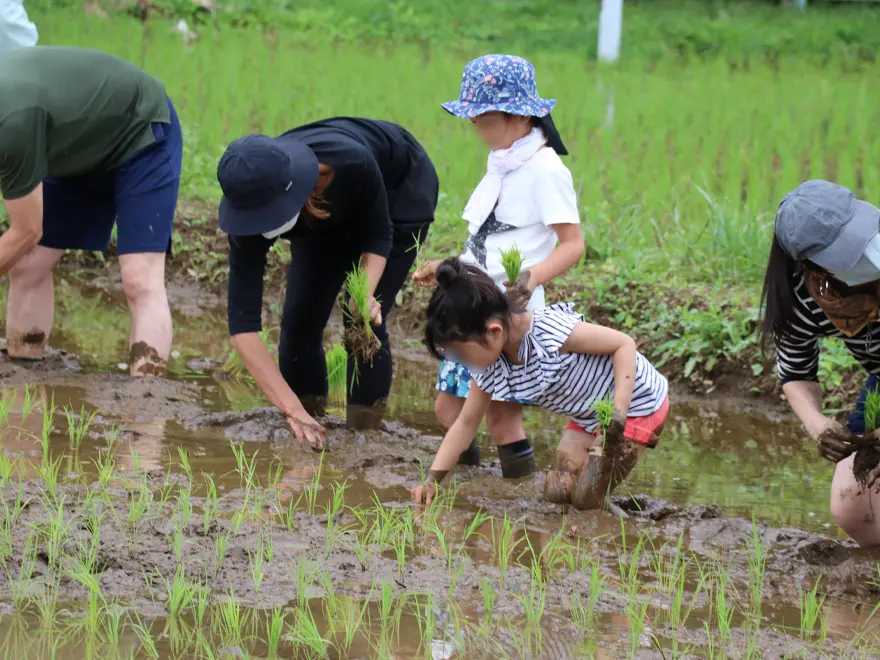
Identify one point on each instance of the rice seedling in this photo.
(48, 425)
(81, 572)
(274, 630)
(145, 637)
(185, 464)
(256, 561)
(105, 465)
(812, 611)
(504, 542)
(333, 509)
(10, 520)
(534, 603)
(629, 570)
(359, 337)
(27, 406)
(20, 585)
(419, 246)
(140, 504)
(350, 616)
(246, 468)
(7, 465)
(7, 397)
(78, 424)
(184, 510)
(757, 559)
(722, 605)
(636, 615)
(112, 624)
(487, 589)
(221, 543)
(54, 532)
(230, 620)
(427, 620)
(180, 594)
(111, 438)
(210, 505)
(512, 262)
(48, 471)
(305, 634)
(337, 365)
(46, 603)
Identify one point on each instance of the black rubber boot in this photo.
(471, 455)
(517, 459)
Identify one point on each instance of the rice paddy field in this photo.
(175, 518)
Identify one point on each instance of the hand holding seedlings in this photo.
(835, 442)
(426, 276)
(524, 282)
(375, 309)
(303, 427)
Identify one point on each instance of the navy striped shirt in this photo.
(797, 349)
(567, 383)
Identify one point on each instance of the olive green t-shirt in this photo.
(68, 112)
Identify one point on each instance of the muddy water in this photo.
(724, 454)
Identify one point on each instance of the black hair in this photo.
(465, 300)
(777, 295)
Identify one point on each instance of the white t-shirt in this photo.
(16, 29)
(537, 195)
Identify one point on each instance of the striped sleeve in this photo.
(554, 325)
(797, 349)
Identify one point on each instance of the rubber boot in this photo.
(471, 455)
(517, 459)
(365, 418)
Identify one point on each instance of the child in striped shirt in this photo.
(553, 359)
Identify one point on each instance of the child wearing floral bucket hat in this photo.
(526, 200)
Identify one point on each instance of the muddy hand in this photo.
(426, 275)
(835, 442)
(425, 494)
(523, 282)
(614, 432)
(304, 427)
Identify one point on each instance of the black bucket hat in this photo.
(265, 181)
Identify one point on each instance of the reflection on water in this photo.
(709, 453)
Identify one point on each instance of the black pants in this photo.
(316, 274)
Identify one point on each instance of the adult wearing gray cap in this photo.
(823, 280)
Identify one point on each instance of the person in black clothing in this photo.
(341, 190)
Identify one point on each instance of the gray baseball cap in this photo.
(825, 223)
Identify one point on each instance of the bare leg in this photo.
(31, 303)
(857, 511)
(143, 280)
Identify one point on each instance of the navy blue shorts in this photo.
(139, 196)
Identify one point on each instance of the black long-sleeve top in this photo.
(368, 194)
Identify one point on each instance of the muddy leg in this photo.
(30, 307)
(570, 459)
(855, 509)
(602, 475)
(143, 281)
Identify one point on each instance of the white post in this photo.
(800, 4)
(610, 27)
(610, 23)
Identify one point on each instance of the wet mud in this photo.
(145, 360)
(138, 561)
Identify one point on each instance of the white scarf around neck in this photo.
(501, 162)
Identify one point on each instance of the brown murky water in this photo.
(719, 464)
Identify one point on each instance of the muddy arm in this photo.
(463, 430)
(599, 340)
(25, 228)
(805, 399)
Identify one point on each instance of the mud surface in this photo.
(137, 561)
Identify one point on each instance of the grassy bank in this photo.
(677, 194)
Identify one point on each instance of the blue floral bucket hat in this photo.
(499, 83)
